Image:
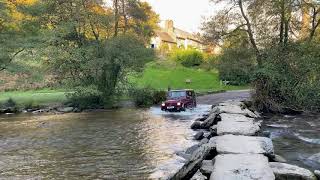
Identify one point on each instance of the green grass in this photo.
(38, 97)
(160, 75)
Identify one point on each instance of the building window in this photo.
(153, 46)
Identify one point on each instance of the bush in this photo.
(210, 63)
(188, 58)
(159, 97)
(10, 103)
(146, 97)
(236, 65)
(86, 98)
(289, 78)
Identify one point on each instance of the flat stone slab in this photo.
(241, 167)
(287, 171)
(233, 109)
(246, 128)
(235, 117)
(232, 144)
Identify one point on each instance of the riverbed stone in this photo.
(241, 167)
(206, 167)
(315, 158)
(317, 173)
(65, 109)
(192, 149)
(278, 158)
(285, 171)
(196, 125)
(199, 135)
(246, 128)
(198, 176)
(233, 109)
(210, 121)
(232, 144)
(204, 141)
(195, 162)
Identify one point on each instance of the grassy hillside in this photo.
(160, 75)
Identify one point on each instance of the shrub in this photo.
(86, 98)
(236, 65)
(10, 103)
(289, 78)
(188, 58)
(210, 63)
(159, 96)
(146, 97)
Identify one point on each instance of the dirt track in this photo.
(221, 97)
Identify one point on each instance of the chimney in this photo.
(169, 26)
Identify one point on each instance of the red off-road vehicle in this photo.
(179, 100)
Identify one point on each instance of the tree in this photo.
(17, 30)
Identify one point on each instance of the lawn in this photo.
(36, 97)
(160, 76)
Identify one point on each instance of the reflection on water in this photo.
(296, 137)
(121, 144)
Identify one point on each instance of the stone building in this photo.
(170, 36)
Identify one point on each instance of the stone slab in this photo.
(232, 144)
(241, 167)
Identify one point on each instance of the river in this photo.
(295, 138)
(115, 144)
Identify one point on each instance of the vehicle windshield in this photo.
(177, 94)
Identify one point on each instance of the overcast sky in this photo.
(186, 14)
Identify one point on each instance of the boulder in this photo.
(284, 171)
(198, 176)
(278, 158)
(206, 167)
(196, 125)
(233, 109)
(192, 149)
(202, 118)
(199, 135)
(183, 155)
(204, 141)
(210, 121)
(315, 158)
(214, 130)
(317, 173)
(246, 128)
(193, 165)
(241, 166)
(266, 134)
(231, 144)
(65, 109)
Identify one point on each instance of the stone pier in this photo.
(231, 149)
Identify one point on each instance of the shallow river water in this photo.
(296, 138)
(118, 144)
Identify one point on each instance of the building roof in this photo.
(186, 35)
(165, 36)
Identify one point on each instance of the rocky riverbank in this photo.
(232, 146)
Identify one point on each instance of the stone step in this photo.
(232, 144)
(241, 166)
(246, 128)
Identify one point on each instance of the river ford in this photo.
(117, 144)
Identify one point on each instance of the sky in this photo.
(186, 14)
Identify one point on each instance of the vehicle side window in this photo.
(189, 93)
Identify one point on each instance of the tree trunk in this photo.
(116, 17)
(124, 16)
(250, 34)
(282, 22)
